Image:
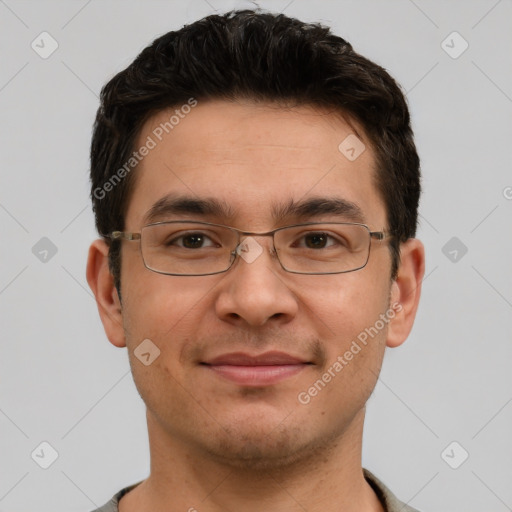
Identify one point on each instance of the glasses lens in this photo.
(187, 248)
(323, 248)
(195, 248)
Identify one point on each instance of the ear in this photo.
(101, 283)
(405, 291)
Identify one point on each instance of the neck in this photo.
(185, 478)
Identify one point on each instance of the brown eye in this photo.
(193, 241)
(316, 240)
(190, 241)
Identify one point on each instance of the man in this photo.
(256, 184)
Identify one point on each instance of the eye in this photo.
(192, 241)
(317, 240)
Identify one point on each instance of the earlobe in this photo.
(406, 291)
(101, 283)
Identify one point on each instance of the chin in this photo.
(259, 449)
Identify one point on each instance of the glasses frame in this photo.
(134, 236)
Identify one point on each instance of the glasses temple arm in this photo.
(116, 235)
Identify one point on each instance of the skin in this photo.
(216, 445)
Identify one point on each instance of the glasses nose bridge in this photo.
(243, 235)
(254, 234)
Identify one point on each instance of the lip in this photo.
(265, 359)
(256, 370)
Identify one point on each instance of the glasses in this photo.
(190, 248)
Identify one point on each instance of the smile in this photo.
(261, 370)
(258, 375)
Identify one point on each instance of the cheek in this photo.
(165, 312)
(344, 305)
(346, 312)
(349, 315)
(168, 310)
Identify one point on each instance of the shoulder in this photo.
(113, 504)
(388, 499)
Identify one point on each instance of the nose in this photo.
(255, 291)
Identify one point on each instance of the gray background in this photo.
(63, 383)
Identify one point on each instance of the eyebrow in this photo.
(175, 205)
(319, 206)
(307, 209)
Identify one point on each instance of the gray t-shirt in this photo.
(387, 498)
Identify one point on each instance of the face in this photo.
(255, 160)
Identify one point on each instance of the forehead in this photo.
(254, 159)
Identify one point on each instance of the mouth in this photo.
(256, 370)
